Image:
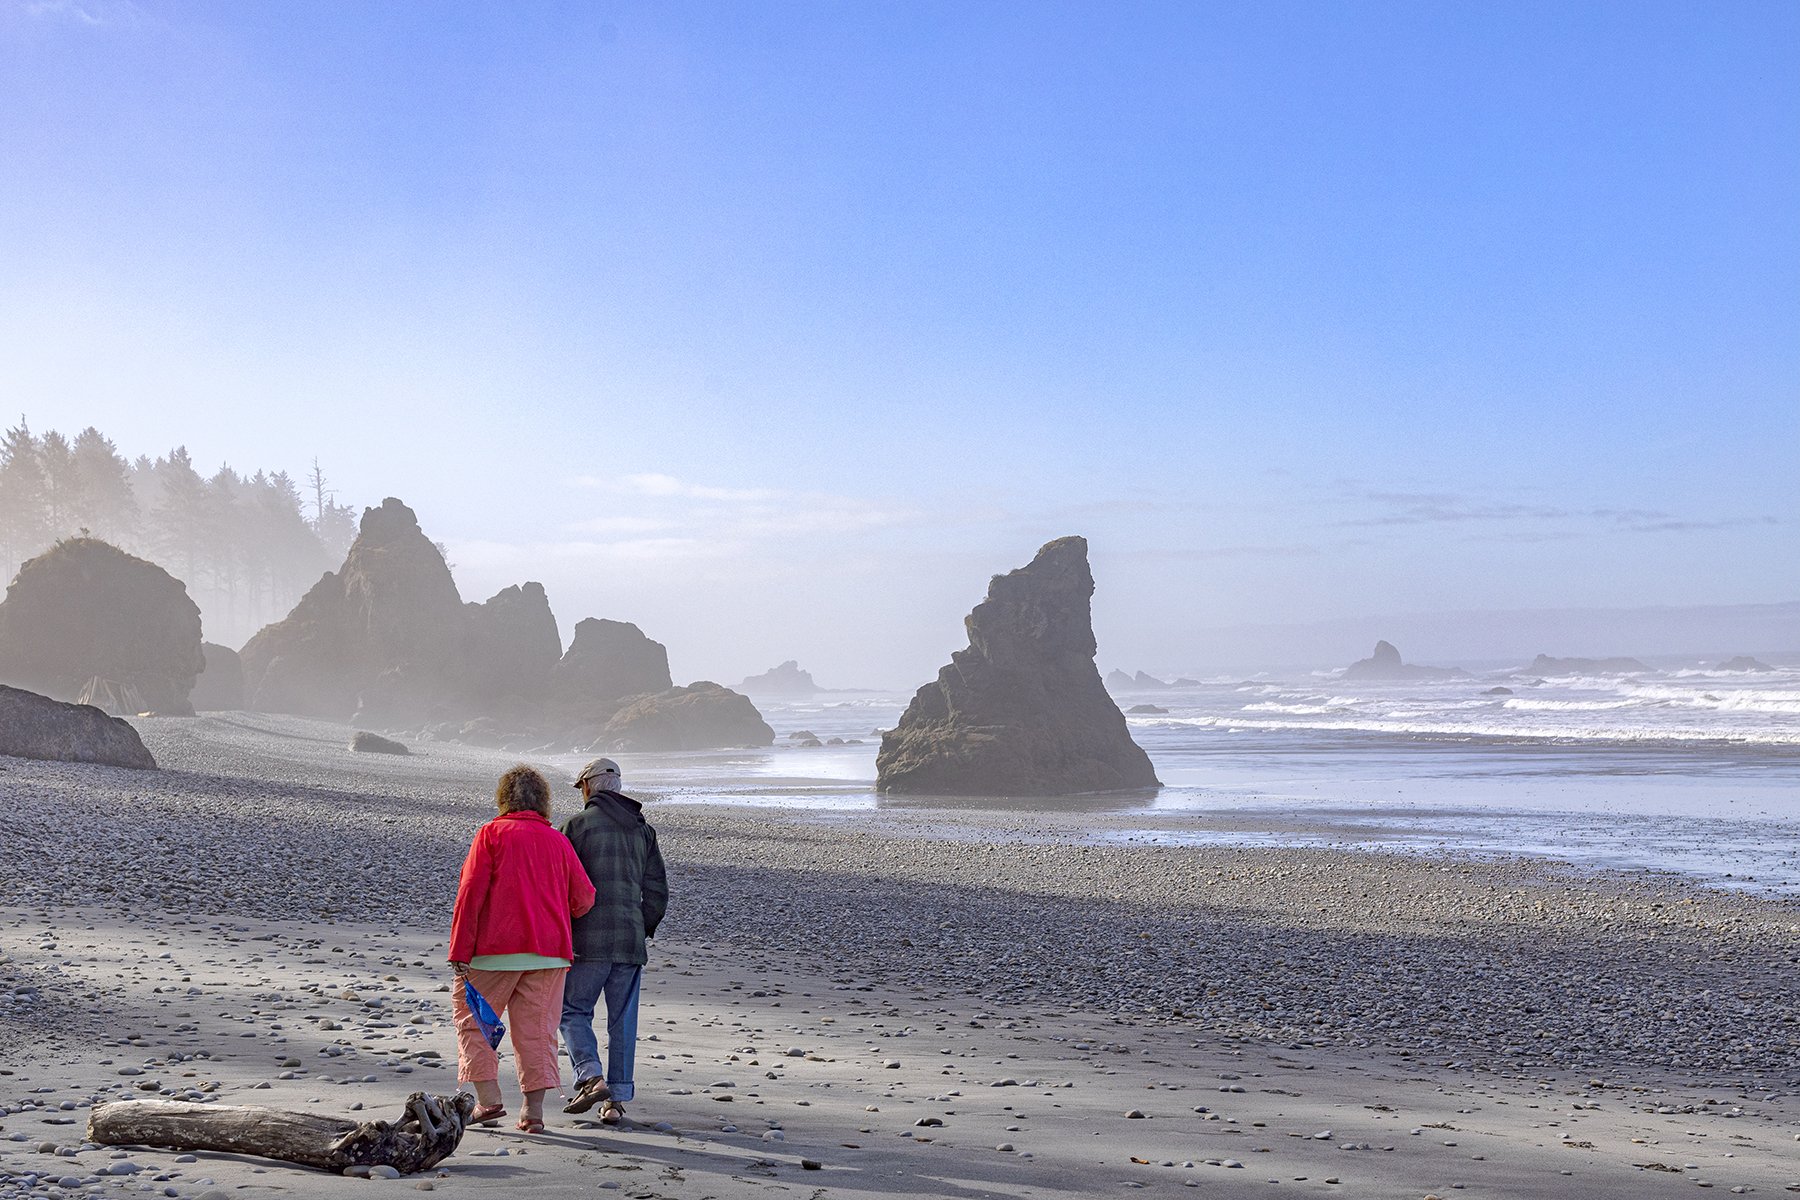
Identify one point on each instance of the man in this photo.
(618, 848)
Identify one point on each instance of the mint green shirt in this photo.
(516, 962)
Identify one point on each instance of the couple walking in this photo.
(547, 922)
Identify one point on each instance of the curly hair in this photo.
(522, 789)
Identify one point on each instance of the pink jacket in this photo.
(521, 886)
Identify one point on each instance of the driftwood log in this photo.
(426, 1133)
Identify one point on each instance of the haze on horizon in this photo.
(778, 329)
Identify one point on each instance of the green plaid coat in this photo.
(631, 889)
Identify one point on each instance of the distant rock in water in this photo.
(1543, 664)
(1744, 662)
(373, 743)
(1498, 691)
(511, 649)
(1119, 681)
(1386, 663)
(607, 663)
(701, 716)
(1148, 681)
(786, 680)
(34, 726)
(220, 687)
(86, 613)
(1021, 711)
(1147, 709)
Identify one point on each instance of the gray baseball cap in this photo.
(596, 769)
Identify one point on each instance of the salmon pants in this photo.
(530, 1002)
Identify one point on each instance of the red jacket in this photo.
(521, 886)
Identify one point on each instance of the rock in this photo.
(1744, 662)
(220, 687)
(802, 735)
(379, 639)
(86, 613)
(1147, 709)
(786, 680)
(1385, 663)
(701, 716)
(1119, 681)
(1150, 682)
(607, 663)
(511, 648)
(34, 726)
(1543, 664)
(1498, 691)
(370, 743)
(1021, 711)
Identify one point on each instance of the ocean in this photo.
(1680, 769)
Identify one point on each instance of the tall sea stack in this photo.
(1022, 711)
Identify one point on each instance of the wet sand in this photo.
(892, 999)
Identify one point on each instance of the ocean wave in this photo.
(1410, 726)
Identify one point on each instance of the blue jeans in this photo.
(582, 989)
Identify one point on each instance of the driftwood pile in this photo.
(427, 1132)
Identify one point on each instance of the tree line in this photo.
(247, 546)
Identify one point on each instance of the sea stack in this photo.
(1021, 711)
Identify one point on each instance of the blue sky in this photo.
(778, 327)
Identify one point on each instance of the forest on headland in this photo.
(247, 545)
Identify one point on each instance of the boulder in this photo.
(86, 611)
(1744, 662)
(1543, 664)
(220, 687)
(381, 638)
(34, 726)
(373, 743)
(786, 680)
(1147, 709)
(1386, 664)
(1021, 711)
(607, 662)
(701, 716)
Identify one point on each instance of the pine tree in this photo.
(105, 504)
(24, 527)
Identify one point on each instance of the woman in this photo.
(521, 887)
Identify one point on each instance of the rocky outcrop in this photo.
(701, 716)
(365, 742)
(381, 638)
(1021, 711)
(511, 649)
(1119, 681)
(86, 613)
(1147, 710)
(1744, 662)
(220, 687)
(1543, 664)
(786, 680)
(1386, 664)
(607, 663)
(34, 726)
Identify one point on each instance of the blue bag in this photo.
(486, 1017)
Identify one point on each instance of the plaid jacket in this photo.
(631, 889)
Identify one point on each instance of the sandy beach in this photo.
(918, 1002)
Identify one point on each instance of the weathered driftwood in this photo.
(426, 1134)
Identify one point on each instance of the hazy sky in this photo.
(777, 327)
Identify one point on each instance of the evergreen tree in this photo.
(105, 502)
(62, 485)
(24, 531)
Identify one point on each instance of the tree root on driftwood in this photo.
(426, 1133)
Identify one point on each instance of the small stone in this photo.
(1132, 1114)
(774, 1135)
(811, 1164)
(1004, 1147)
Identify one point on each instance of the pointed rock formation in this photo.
(786, 680)
(1021, 711)
(511, 649)
(85, 614)
(1386, 663)
(34, 726)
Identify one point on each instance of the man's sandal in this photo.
(487, 1114)
(612, 1113)
(529, 1125)
(588, 1093)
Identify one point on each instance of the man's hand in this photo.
(461, 970)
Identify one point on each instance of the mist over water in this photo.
(1686, 770)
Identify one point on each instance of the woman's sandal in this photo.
(529, 1125)
(612, 1113)
(487, 1114)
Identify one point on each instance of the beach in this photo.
(929, 1001)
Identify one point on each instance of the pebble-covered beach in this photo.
(1453, 974)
